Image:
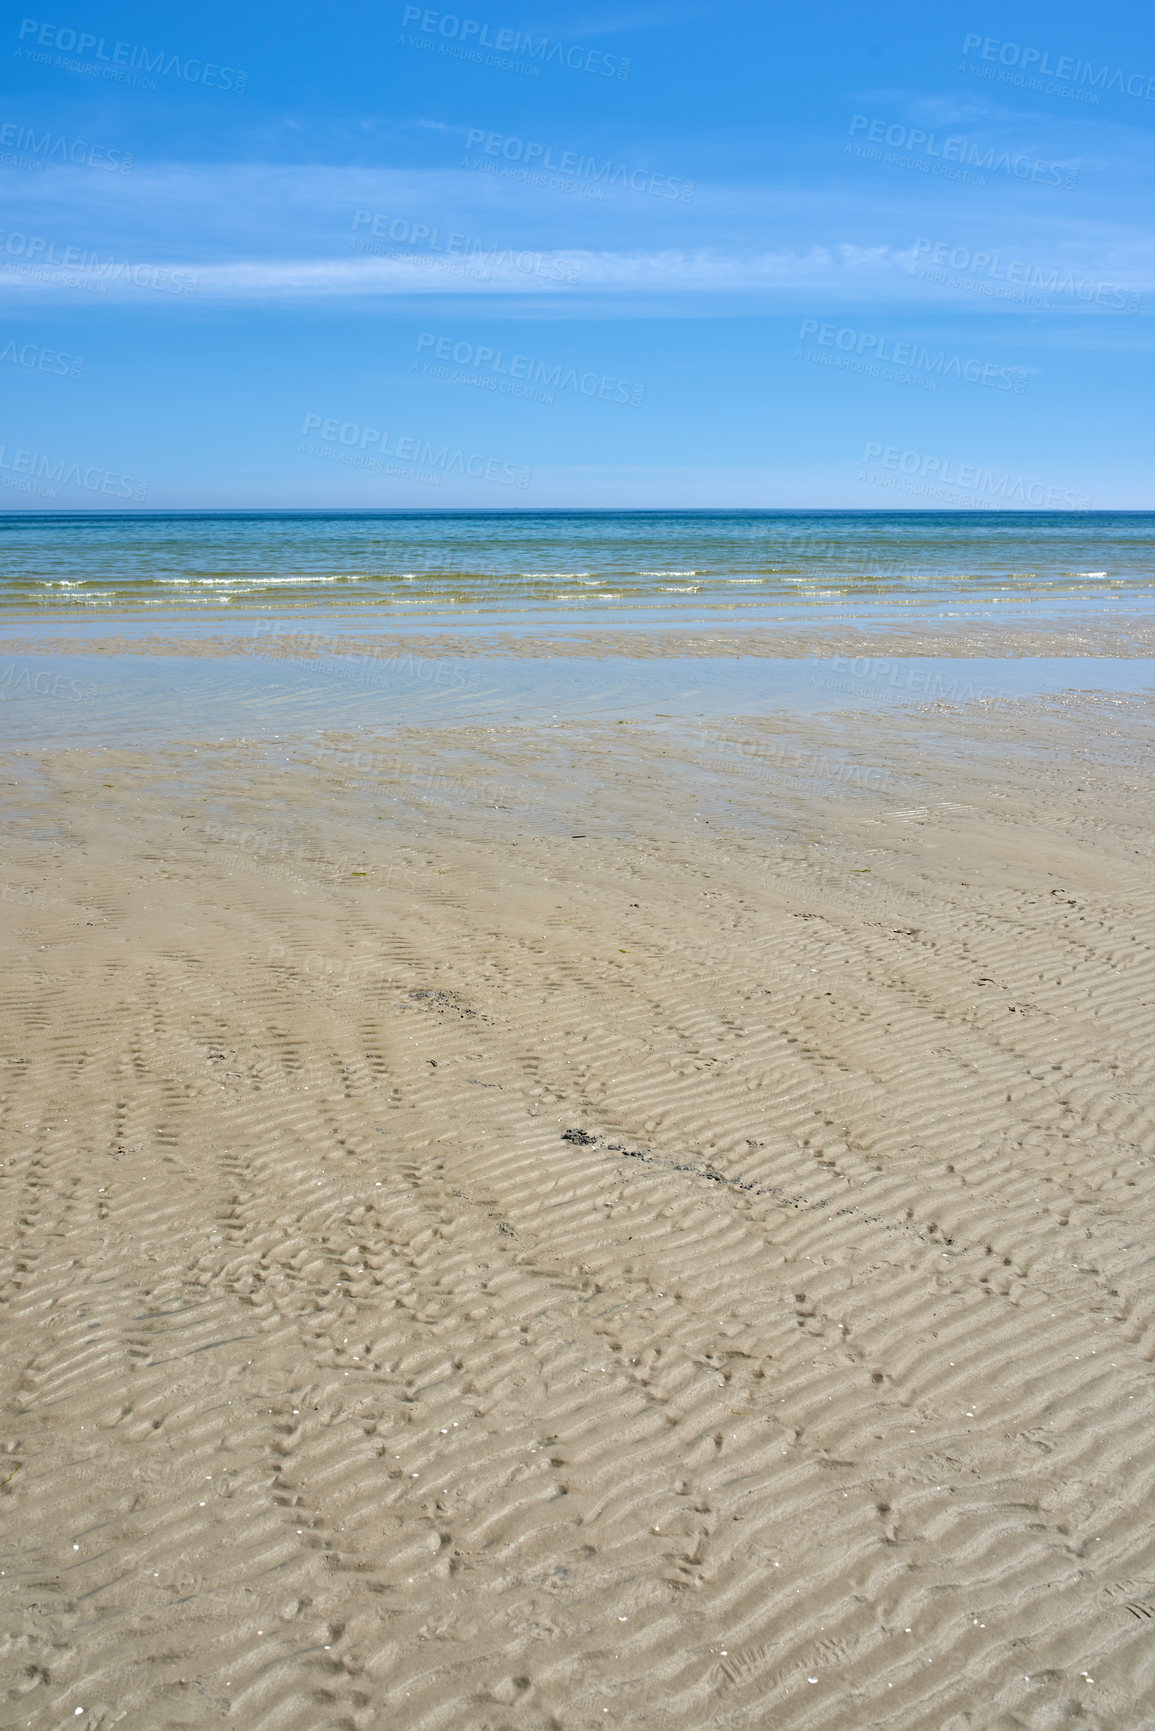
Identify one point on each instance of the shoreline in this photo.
(320, 635)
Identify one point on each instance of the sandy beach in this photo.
(710, 1281)
(577, 822)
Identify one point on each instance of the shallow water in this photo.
(337, 576)
(144, 699)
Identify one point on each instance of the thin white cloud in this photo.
(875, 274)
(248, 232)
(530, 271)
(497, 271)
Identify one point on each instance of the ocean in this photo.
(126, 628)
(607, 562)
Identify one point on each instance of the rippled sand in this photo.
(709, 1282)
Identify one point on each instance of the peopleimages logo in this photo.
(345, 661)
(28, 471)
(517, 43)
(863, 349)
(920, 144)
(16, 680)
(364, 448)
(512, 368)
(41, 360)
(54, 148)
(540, 157)
(1014, 279)
(932, 477)
(404, 232)
(52, 261)
(1037, 62)
(126, 57)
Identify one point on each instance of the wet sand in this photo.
(710, 1282)
(1132, 635)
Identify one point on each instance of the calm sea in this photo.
(68, 581)
(609, 563)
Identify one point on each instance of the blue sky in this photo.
(519, 256)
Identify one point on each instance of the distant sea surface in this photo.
(609, 563)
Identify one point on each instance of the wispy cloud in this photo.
(251, 232)
(499, 271)
(850, 272)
